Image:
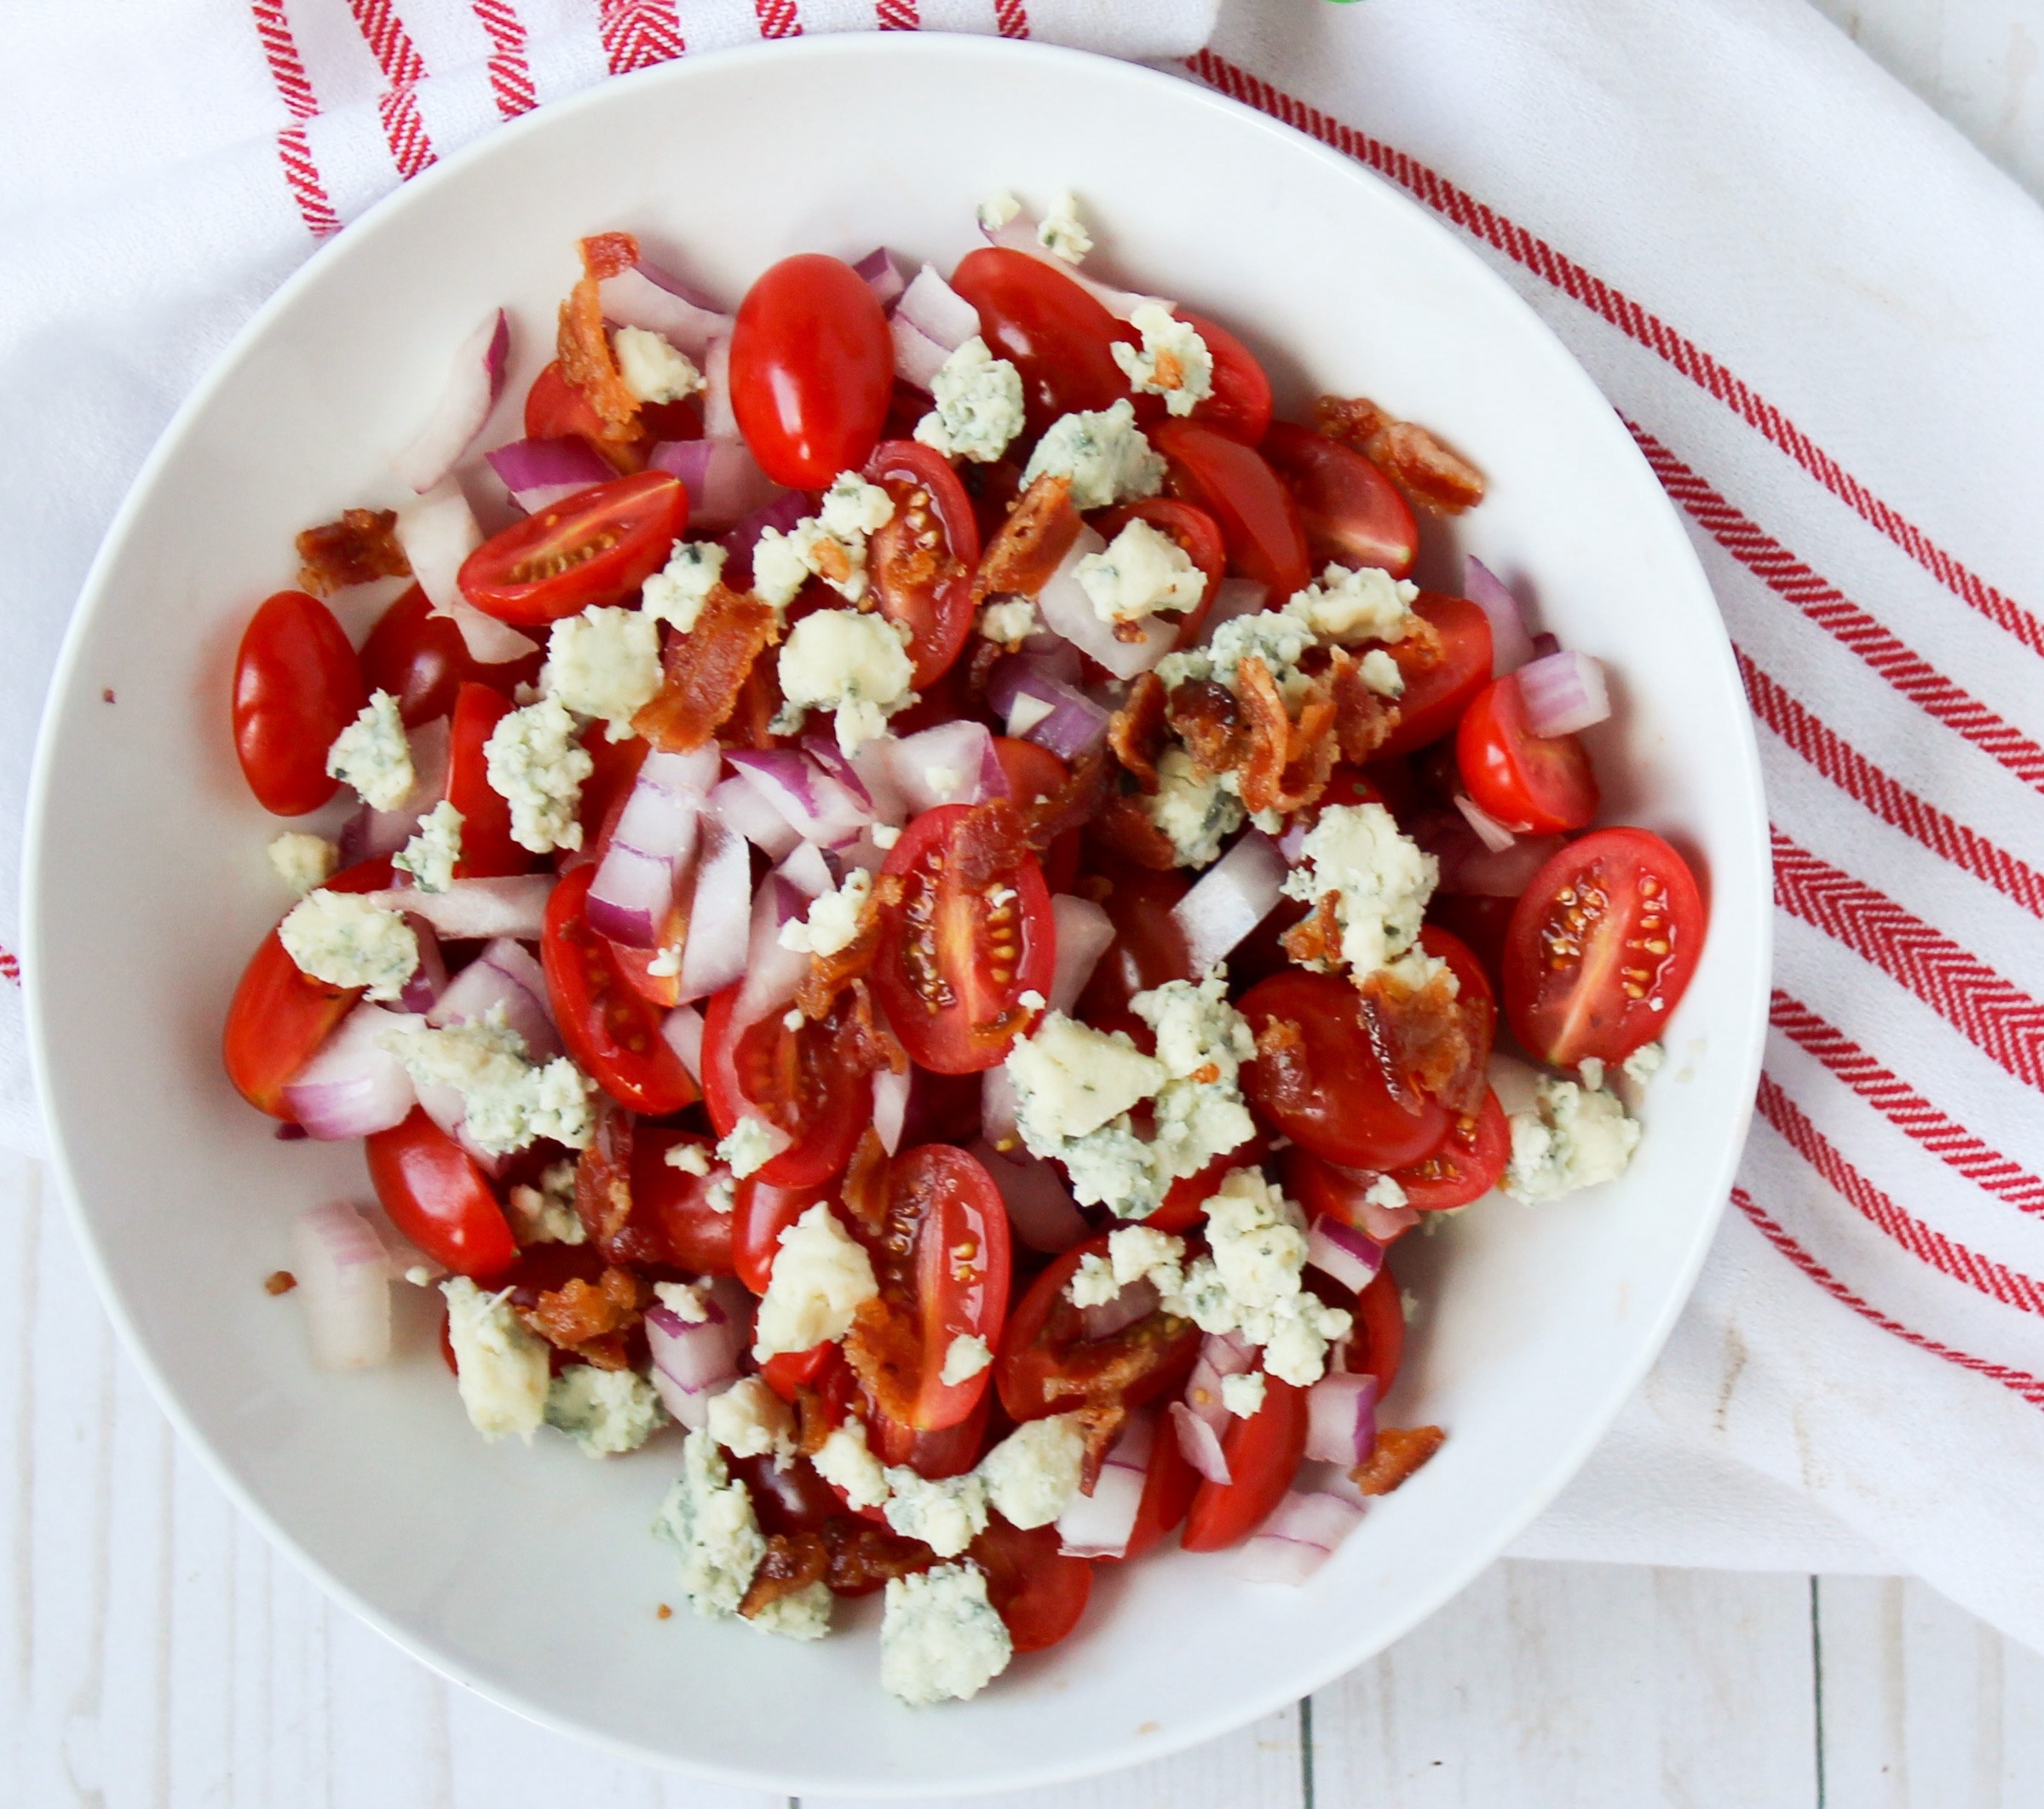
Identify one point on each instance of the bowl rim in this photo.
(1742, 769)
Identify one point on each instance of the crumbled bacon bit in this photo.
(1431, 1040)
(1137, 730)
(663, 1612)
(1316, 940)
(864, 1557)
(988, 843)
(280, 1281)
(1126, 826)
(830, 974)
(1288, 763)
(1031, 542)
(591, 1320)
(588, 364)
(864, 1190)
(603, 1174)
(1353, 420)
(361, 546)
(1100, 1423)
(884, 1349)
(609, 254)
(1207, 719)
(706, 670)
(1399, 1451)
(1072, 806)
(792, 1562)
(859, 1043)
(816, 1420)
(1287, 1081)
(1412, 457)
(1363, 721)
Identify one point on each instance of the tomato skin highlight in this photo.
(1058, 337)
(812, 369)
(1256, 516)
(1534, 785)
(1438, 691)
(1263, 1453)
(298, 684)
(595, 547)
(436, 1194)
(938, 608)
(422, 660)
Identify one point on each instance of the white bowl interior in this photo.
(530, 1574)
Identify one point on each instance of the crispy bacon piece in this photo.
(1126, 826)
(1287, 763)
(816, 1420)
(864, 1190)
(988, 843)
(859, 1043)
(830, 974)
(1137, 729)
(706, 670)
(885, 1348)
(1316, 939)
(1072, 805)
(863, 1557)
(792, 1562)
(1206, 717)
(1287, 1085)
(603, 1173)
(587, 363)
(591, 1320)
(1363, 721)
(1031, 542)
(1399, 1451)
(1101, 1423)
(361, 546)
(1407, 454)
(1429, 1039)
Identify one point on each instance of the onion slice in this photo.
(1098, 1525)
(938, 312)
(352, 1085)
(343, 1276)
(632, 896)
(1085, 933)
(1492, 834)
(1565, 693)
(713, 955)
(1201, 1443)
(504, 975)
(742, 808)
(1042, 708)
(540, 473)
(1510, 645)
(1297, 1539)
(478, 910)
(819, 808)
(1230, 899)
(682, 1032)
(438, 531)
(473, 386)
(648, 296)
(890, 1106)
(882, 272)
(1068, 611)
(724, 480)
(693, 1363)
(1341, 1419)
(1343, 1252)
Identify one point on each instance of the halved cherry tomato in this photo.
(436, 1194)
(950, 1451)
(953, 961)
(1482, 924)
(672, 1221)
(812, 369)
(1047, 1363)
(1255, 512)
(1038, 1592)
(1441, 677)
(594, 547)
(1033, 773)
(1377, 1345)
(1329, 1091)
(1169, 1485)
(921, 563)
(555, 410)
(789, 1372)
(1326, 1191)
(760, 1212)
(1185, 1200)
(1474, 991)
(1263, 1453)
(1239, 406)
(1467, 1165)
(1351, 512)
(1197, 536)
(613, 1034)
(613, 770)
(1149, 950)
(298, 684)
(422, 660)
(280, 1015)
(1534, 785)
(1055, 334)
(1602, 947)
(794, 1079)
(487, 850)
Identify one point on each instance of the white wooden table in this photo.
(154, 1651)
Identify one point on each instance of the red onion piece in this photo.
(1344, 1252)
(540, 473)
(1341, 1419)
(692, 1363)
(478, 910)
(472, 389)
(1098, 1525)
(741, 808)
(890, 1106)
(504, 975)
(430, 978)
(772, 972)
(1510, 645)
(1131, 1307)
(1492, 834)
(1544, 644)
(648, 296)
(683, 1031)
(713, 955)
(631, 899)
(343, 1279)
(724, 480)
(1228, 1353)
(884, 274)
(1297, 1539)
(1084, 935)
(1068, 611)
(1041, 1211)
(438, 531)
(1046, 710)
(1564, 692)
(953, 764)
(1230, 899)
(720, 416)
(938, 312)
(826, 754)
(352, 1085)
(917, 357)
(1201, 1443)
(998, 1105)
(820, 809)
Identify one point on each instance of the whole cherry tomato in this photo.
(812, 369)
(1263, 1453)
(1055, 334)
(1442, 674)
(298, 684)
(439, 1197)
(797, 1080)
(1255, 512)
(422, 660)
(921, 563)
(1239, 406)
(1533, 784)
(1351, 512)
(1038, 1592)
(596, 546)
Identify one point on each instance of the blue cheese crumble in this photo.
(607, 1412)
(939, 1638)
(831, 544)
(749, 1419)
(1363, 603)
(1139, 573)
(1103, 454)
(546, 1214)
(1381, 881)
(677, 594)
(844, 1460)
(1194, 810)
(435, 849)
(342, 938)
(302, 861)
(653, 370)
(535, 765)
(821, 1275)
(372, 754)
(965, 1357)
(1173, 362)
(946, 1515)
(804, 1614)
(751, 1144)
(855, 665)
(1061, 232)
(1032, 1475)
(1571, 1138)
(831, 924)
(709, 1518)
(509, 1103)
(500, 1367)
(979, 405)
(604, 663)
(1243, 1395)
(1008, 622)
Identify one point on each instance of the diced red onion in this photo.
(352, 1085)
(1098, 1525)
(648, 296)
(1228, 1353)
(739, 806)
(805, 875)
(724, 480)
(935, 309)
(1341, 1419)
(713, 954)
(1319, 1478)
(504, 975)
(1565, 693)
(999, 1102)
(819, 808)
(1085, 933)
(1344, 1252)
(471, 391)
(1510, 645)
(917, 357)
(1041, 1211)
(1045, 709)
(692, 1363)
(772, 972)
(631, 900)
(1230, 899)
(1297, 1539)
(478, 910)
(540, 473)
(1384, 1223)
(826, 754)
(430, 978)
(437, 533)
(683, 1031)
(720, 416)
(343, 1278)
(953, 764)
(1019, 234)
(1232, 597)
(1201, 1443)
(1129, 1306)
(1492, 834)
(890, 1106)
(883, 273)
(1068, 611)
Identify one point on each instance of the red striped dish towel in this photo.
(1816, 306)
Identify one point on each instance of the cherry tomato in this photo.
(1534, 785)
(789, 1372)
(298, 684)
(672, 1221)
(1254, 511)
(1262, 1453)
(953, 961)
(760, 1212)
(1440, 679)
(613, 1034)
(1377, 1345)
(1169, 1485)
(596, 546)
(487, 850)
(555, 410)
(812, 369)
(950, 1451)
(1148, 948)
(1239, 406)
(1197, 536)
(1601, 947)
(1474, 991)
(1482, 924)
(1034, 773)
(794, 1079)
(439, 1197)
(1185, 1200)
(422, 660)
(613, 770)
(790, 1499)
(1047, 1363)
(280, 1015)
(1038, 1592)
(926, 583)
(1351, 512)
(1467, 1165)
(1329, 1092)
(1055, 334)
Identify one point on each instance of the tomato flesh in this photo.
(1534, 785)
(1255, 512)
(595, 547)
(1350, 512)
(794, 1079)
(298, 684)
(922, 562)
(1441, 678)
(1263, 1453)
(1058, 337)
(422, 660)
(437, 1194)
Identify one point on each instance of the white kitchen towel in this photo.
(1817, 306)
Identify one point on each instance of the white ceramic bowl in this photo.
(529, 1575)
